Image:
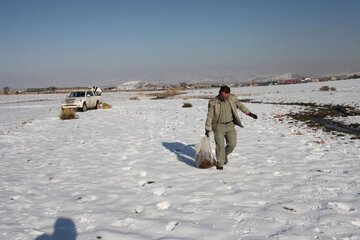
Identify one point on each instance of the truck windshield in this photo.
(77, 94)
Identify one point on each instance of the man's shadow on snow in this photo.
(184, 153)
(64, 229)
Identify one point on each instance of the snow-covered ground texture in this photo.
(129, 172)
(347, 92)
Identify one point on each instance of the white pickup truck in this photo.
(82, 100)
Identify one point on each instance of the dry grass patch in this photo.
(327, 88)
(67, 114)
(165, 94)
(187, 105)
(198, 97)
(106, 105)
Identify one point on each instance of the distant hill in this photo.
(259, 79)
(289, 76)
(132, 84)
(138, 85)
(286, 76)
(342, 75)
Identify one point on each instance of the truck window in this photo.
(77, 94)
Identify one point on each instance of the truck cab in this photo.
(82, 100)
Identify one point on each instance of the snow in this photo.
(347, 93)
(128, 172)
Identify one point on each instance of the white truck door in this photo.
(90, 99)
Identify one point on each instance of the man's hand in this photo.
(207, 133)
(253, 116)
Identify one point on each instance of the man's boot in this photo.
(218, 167)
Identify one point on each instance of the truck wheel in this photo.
(97, 105)
(84, 108)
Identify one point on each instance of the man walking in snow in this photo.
(221, 119)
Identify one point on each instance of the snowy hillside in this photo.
(286, 76)
(136, 85)
(129, 173)
(131, 85)
(289, 76)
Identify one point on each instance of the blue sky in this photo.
(67, 43)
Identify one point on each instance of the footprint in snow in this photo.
(131, 163)
(171, 226)
(143, 174)
(126, 168)
(127, 222)
(90, 198)
(341, 206)
(280, 174)
(356, 223)
(163, 205)
(159, 192)
(138, 209)
(14, 198)
(290, 209)
(50, 212)
(323, 170)
(143, 183)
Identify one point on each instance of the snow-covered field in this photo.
(128, 172)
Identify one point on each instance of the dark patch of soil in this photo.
(27, 101)
(319, 116)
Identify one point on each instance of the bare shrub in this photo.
(324, 88)
(67, 114)
(327, 88)
(198, 97)
(6, 90)
(106, 105)
(187, 105)
(165, 94)
(27, 121)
